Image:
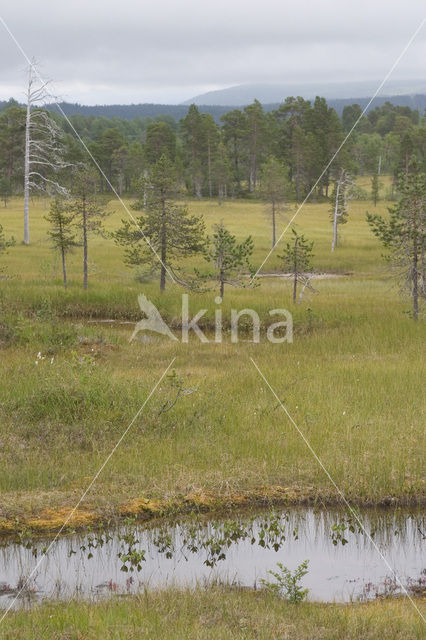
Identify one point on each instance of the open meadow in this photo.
(352, 380)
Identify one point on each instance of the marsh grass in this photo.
(220, 612)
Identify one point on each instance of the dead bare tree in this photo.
(339, 213)
(43, 146)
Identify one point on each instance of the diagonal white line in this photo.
(80, 139)
(339, 491)
(386, 78)
(86, 491)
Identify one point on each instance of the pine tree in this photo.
(403, 234)
(297, 260)
(228, 257)
(62, 238)
(160, 139)
(256, 138)
(5, 189)
(166, 232)
(375, 187)
(12, 144)
(274, 188)
(88, 211)
(221, 172)
(211, 137)
(194, 139)
(234, 135)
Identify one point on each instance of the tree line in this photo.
(223, 160)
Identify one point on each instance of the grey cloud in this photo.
(102, 51)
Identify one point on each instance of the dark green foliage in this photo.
(160, 140)
(12, 145)
(350, 115)
(218, 160)
(193, 138)
(221, 172)
(234, 131)
(256, 140)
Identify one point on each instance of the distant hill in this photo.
(130, 111)
(272, 93)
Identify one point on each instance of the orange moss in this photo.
(52, 519)
(7, 525)
(140, 506)
(201, 499)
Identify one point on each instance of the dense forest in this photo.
(225, 159)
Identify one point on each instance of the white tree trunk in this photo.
(43, 146)
(306, 284)
(27, 164)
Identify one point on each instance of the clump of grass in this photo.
(55, 393)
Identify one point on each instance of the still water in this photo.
(238, 549)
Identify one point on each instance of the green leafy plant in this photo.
(131, 558)
(287, 582)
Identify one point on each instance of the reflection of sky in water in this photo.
(335, 572)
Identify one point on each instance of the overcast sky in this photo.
(166, 51)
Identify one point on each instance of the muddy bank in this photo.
(44, 520)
